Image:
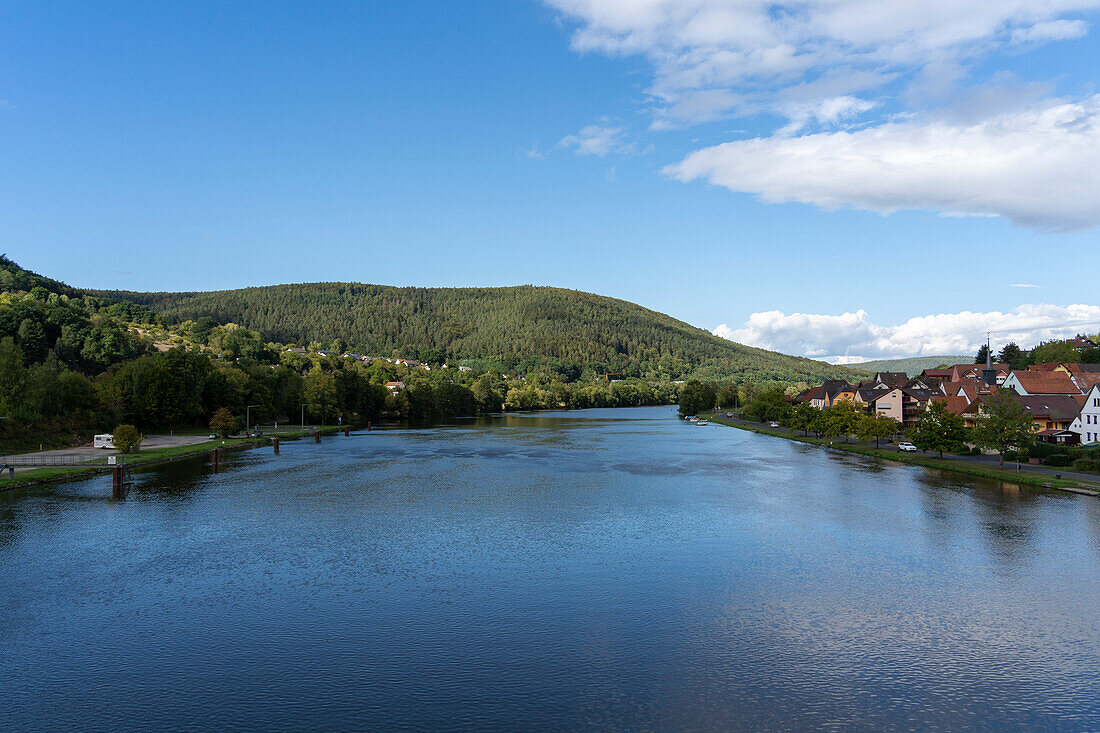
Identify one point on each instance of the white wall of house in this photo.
(1087, 423)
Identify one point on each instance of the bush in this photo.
(1058, 459)
(1088, 464)
(223, 423)
(975, 451)
(1011, 455)
(127, 438)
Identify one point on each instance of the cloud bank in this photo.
(1039, 167)
(828, 67)
(833, 337)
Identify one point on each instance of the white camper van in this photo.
(104, 441)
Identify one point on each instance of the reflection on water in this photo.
(593, 570)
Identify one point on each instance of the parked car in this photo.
(907, 447)
(729, 414)
(774, 425)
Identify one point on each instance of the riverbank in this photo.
(60, 474)
(1006, 474)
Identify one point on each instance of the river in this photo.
(594, 570)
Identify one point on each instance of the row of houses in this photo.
(411, 363)
(1062, 399)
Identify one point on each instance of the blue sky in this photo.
(759, 168)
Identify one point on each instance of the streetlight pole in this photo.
(247, 413)
(304, 406)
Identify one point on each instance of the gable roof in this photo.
(955, 405)
(1046, 383)
(1054, 407)
(894, 379)
(813, 393)
(833, 387)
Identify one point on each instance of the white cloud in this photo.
(596, 140)
(850, 334)
(1024, 285)
(1053, 30)
(1038, 167)
(827, 111)
(714, 56)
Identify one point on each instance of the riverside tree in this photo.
(695, 397)
(1003, 424)
(769, 405)
(223, 423)
(876, 427)
(804, 417)
(127, 438)
(843, 418)
(939, 429)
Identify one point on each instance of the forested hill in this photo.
(512, 325)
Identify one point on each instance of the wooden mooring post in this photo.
(316, 436)
(347, 431)
(118, 482)
(275, 445)
(214, 461)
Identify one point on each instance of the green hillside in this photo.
(912, 365)
(514, 326)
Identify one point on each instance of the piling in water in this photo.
(118, 483)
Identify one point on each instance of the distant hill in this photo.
(509, 325)
(911, 366)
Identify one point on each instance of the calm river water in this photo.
(598, 570)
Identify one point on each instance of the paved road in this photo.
(980, 461)
(84, 454)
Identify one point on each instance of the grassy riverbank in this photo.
(55, 474)
(996, 473)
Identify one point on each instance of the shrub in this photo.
(1088, 464)
(1058, 459)
(975, 451)
(223, 423)
(1011, 455)
(127, 438)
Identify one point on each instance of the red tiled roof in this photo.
(955, 405)
(1039, 383)
(1086, 380)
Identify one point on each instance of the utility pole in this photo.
(247, 414)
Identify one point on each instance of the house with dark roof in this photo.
(892, 379)
(1051, 412)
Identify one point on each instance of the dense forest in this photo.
(513, 328)
(73, 363)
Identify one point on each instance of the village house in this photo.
(974, 371)
(1050, 412)
(395, 386)
(1041, 383)
(1087, 423)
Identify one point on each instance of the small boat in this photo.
(693, 419)
(700, 422)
